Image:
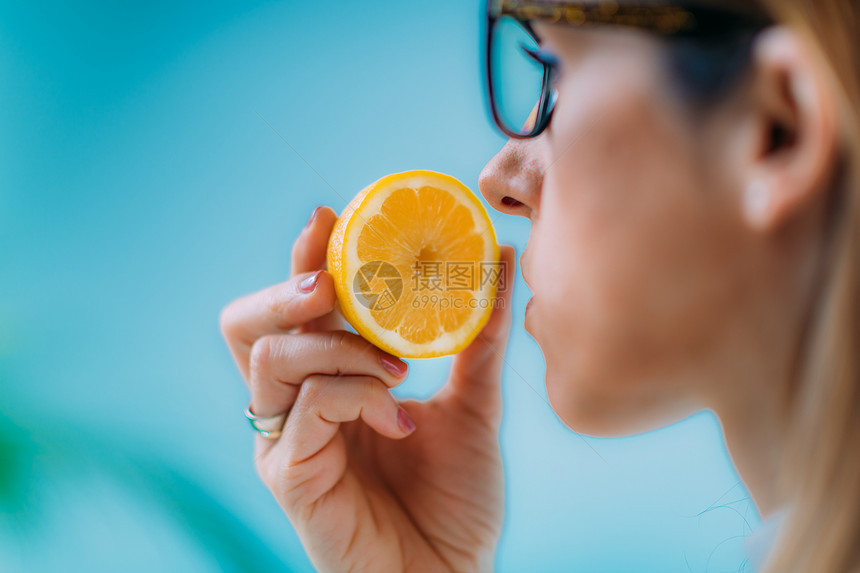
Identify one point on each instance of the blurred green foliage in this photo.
(27, 456)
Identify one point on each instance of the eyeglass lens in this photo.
(517, 78)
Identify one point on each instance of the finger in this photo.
(280, 362)
(276, 309)
(308, 252)
(323, 403)
(476, 372)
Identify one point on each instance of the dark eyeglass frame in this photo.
(667, 20)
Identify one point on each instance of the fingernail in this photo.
(313, 216)
(309, 283)
(394, 365)
(404, 421)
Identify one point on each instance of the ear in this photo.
(795, 136)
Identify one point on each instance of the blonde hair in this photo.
(820, 476)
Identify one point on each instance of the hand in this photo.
(368, 494)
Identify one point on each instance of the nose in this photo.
(512, 180)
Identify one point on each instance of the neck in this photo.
(755, 438)
(757, 369)
(752, 402)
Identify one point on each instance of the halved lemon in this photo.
(415, 264)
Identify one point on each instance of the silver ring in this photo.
(268, 427)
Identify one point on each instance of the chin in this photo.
(599, 410)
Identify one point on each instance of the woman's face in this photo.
(634, 236)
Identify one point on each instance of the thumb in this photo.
(476, 372)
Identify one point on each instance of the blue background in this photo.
(141, 190)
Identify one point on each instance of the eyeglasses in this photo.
(519, 74)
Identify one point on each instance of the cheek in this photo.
(610, 213)
(626, 257)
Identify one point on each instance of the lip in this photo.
(524, 269)
(526, 315)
